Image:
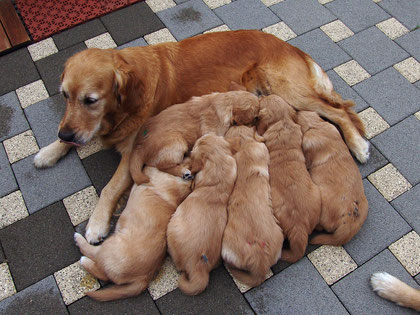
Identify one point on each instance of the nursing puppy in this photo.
(132, 256)
(252, 240)
(296, 199)
(167, 137)
(333, 170)
(196, 229)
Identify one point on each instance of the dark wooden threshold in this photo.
(12, 31)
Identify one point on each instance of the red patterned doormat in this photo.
(46, 17)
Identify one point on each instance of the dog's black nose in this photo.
(66, 136)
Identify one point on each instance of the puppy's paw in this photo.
(95, 233)
(49, 155)
(361, 150)
(187, 175)
(78, 238)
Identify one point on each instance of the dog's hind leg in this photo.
(91, 267)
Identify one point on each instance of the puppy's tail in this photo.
(116, 292)
(395, 290)
(136, 167)
(196, 281)
(298, 240)
(251, 278)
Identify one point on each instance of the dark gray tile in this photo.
(400, 144)
(341, 87)
(299, 289)
(39, 245)
(131, 22)
(407, 12)
(142, 304)
(17, 69)
(417, 278)
(39, 299)
(321, 48)
(180, 1)
(101, 166)
(408, 205)
(134, 43)
(359, 14)
(355, 292)
(8, 182)
(221, 297)
(375, 162)
(2, 258)
(52, 66)
(246, 14)
(44, 118)
(382, 227)
(281, 265)
(302, 16)
(390, 94)
(42, 187)
(78, 34)
(12, 120)
(189, 18)
(373, 50)
(410, 43)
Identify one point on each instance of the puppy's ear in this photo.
(62, 75)
(258, 137)
(236, 86)
(235, 144)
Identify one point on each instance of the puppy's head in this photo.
(307, 120)
(245, 108)
(238, 135)
(95, 84)
(273, 109)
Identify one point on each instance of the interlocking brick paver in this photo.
(12, 120)
(281, 30)
(373, 122)
(160, 36)
(42, 49)
(352, 72)
(7, 287)
(8, 182)
(409, 68)
(213, 4)
(103, 41)
(32, 93)
(160, 5)
(80, 205)
(375, 162)
(166, 281)
(20, 146)
(407, 12)
(408, 205)
(134, 43)
(392, 28)
(337, 30)
(12, 209)
(410, 43)
(407, 251)
(93, 146)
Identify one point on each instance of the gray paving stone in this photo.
(299, 289)
(246, 14)
(221, 297)
(382, 227)
(39, 245)
(355, 292)
(407, 12)
(44, 118)
(188, 19)
(410, 42)
(321, 48)
(142, 304)
(2, 258)
(408, 205)
(417, 278)
(17, 69)
(134, 43)
(52, 66)
(359, 14)
(390, 94)
(302, 16)
(373, 50)
(131, 22)
(400, 144)
(12, 120)
(42, 187)
(375, 162)
(78, 34)
(341, 87)
(8, 182)
(39, 299)
(281, 265)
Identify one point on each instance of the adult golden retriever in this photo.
(111, 93)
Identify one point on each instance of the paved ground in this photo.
(370, 50)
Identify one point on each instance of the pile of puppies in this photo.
(228, 176)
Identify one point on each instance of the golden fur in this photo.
(333, 170)
(165, 138)
(296, 199)
(196, 229)
(252, 240)
(130, 85)
(133, 255)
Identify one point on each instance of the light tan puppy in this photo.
(167, 137)
(333, 170)
(296, 199)
(132, 256)
(196, 229)
(252, 240)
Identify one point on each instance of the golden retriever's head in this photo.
(245, 108)
(273, 109)
(96, 84)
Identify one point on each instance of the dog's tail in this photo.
(116, 292)
(251, 278)
(136, 166)
(196, 281)
(298, 240)
(395, 290)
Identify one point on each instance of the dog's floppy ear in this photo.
(236, 86)
(235, 144)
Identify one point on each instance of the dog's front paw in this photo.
(78, 238)
(49, 155)
(95, 233)
(187, 175)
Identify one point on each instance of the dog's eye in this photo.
(235, 123)
(90, 100)
(65, 94)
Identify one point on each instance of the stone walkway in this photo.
(370, 50)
